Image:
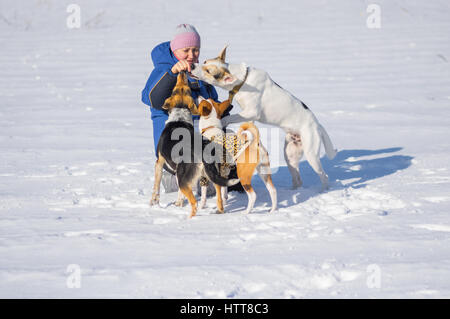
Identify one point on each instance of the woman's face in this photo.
(189, 54)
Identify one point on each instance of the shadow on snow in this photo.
(350, 168)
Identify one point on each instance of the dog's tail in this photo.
(329, 149)
(249, 132)
(213, 174)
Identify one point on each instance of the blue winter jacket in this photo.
(160, 84)
(162, 81)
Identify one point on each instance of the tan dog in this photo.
(252, 155)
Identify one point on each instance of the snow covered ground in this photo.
(76, 160)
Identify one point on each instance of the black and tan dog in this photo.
(185, 151)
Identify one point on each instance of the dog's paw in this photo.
(296, 185)
(324, 189)
(154, 200)
(179, 203)
(193, 213)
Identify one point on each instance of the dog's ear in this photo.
(204, 109)
(193, 108)
(167, 104)
(222, 107)
(200, 99)
(181, 78)
(223, 54)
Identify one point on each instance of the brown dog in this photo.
(244, 148)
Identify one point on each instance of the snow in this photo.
(77, 161)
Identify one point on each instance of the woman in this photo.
(170, 58)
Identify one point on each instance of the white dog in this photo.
(261, 99)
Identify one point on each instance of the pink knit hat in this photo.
(185, 36)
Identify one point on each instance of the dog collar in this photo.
(236, 89)
(207, 128)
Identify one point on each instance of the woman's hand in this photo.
(180, 66)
